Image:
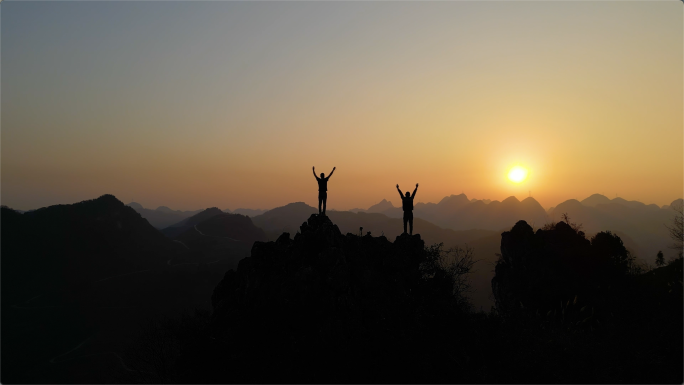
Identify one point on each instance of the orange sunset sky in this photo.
(230, 104)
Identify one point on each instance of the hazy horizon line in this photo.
(348, 209)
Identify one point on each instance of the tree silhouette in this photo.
(677, 228)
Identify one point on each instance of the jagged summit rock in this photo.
(307, 298)
(324, 265)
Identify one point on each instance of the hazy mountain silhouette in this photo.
(675, 203)
(136, 206)
(249, 212)
(457, 212)
(495, 215)
(163, 216)
(180, 227)
(485, 201)
(380, 207)
(284, 219)
(595, 199)
(165, 209)
(643, 224)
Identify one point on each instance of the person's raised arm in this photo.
(414, 191)
(314, 172)
(331, 172)
(400, 193)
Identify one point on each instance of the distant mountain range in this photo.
(247, 212)
(162, 216)
(644, 224)
(455, 220)
(641, 226)
(457, 212)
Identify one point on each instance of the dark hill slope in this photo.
(78, 279)
(180, 227)
(231, 226)
(222, 239)
(77, 242)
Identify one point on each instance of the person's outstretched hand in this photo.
(416, 184)
(397, 185)
(334, 168)
(313, 168)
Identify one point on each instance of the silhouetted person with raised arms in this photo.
(407, 205)
(322, 189)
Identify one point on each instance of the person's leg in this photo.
(325, 199)
(405, 220)
(320, 201)
(411, 223)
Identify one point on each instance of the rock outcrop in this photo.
(538, 269)
(324, 307)
(320, 271)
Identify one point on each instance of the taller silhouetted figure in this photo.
(407, 205)
(322, 189)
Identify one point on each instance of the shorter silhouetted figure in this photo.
(322, 189)
(407, 206)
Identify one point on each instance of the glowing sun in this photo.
(517, 174)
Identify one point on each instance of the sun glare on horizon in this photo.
(517, 174)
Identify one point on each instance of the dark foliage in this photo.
(587, 297)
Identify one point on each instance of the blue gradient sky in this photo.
(229, 104)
